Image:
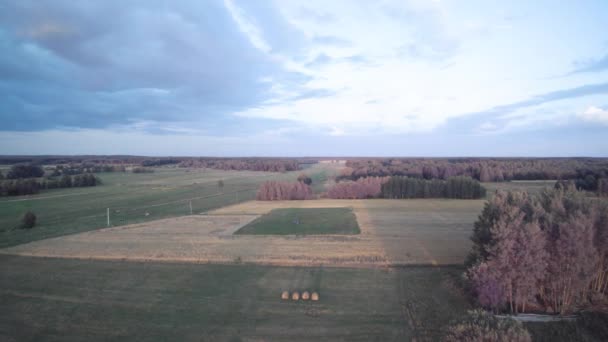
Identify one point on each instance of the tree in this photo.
(304, 179)
(220, 185)
(25, 171)
(66, 181)
(548, 251)
(28, 220)
(479, 325)
(277, 191)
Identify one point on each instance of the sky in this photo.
(304, 78)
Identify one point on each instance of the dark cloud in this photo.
(97, 64)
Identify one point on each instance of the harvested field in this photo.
(393, 232)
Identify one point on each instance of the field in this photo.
(161, 273)
(103, 300)
(132, 198)
(393, 232)
(303, 221)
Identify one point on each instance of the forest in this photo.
(482, 169)
(546, 253)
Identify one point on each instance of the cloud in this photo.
(96, 65)
(594, 115)
(596, 65)
(331, 40)
(247, 27)
(585, 90)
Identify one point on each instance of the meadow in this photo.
(97, 300)
(100, 300)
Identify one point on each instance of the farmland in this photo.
(216, 273)
(131, 198)
(393, 232)
(101, 300)
(303, 221)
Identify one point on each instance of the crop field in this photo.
(111, 300)
(303, 221)
(393, 232)
(131, 198)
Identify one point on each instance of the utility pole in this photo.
(108, 215)
(190, 207)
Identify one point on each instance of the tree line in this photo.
(279, 191)
(407, 187)
(251, 164)
(29, 186)
(453, 187)
(368, 187)
(482, 169)
(540, 253)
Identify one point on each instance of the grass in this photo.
(132, 198)
(303, 221)
(102, 300)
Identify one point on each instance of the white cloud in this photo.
(594, 115)
(247, 26)
(396, 90)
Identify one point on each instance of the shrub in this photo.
(29, 220)
(304, 179)
(479, 325)
(142, 170)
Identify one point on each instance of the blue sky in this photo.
(297, 78)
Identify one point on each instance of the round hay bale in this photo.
(314, 296)
(285, 295)
(295, 296)
(305, 295)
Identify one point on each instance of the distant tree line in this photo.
(482, 169)
(29, 186)
(160, 161)
(76, 169)
(252, 164)
(279, 191)
(453, 187)
(540, 253)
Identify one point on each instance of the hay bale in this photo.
(314, 296)
(295, 295)
(285, 295)
(305, 295)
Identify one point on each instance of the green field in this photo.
(132, 198)
(101, 300)
(303, 221)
